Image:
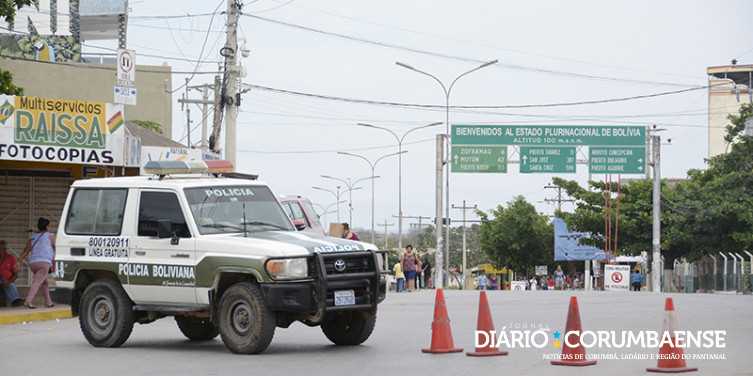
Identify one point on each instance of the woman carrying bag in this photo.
(41, 246)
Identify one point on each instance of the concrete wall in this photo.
(94, 82)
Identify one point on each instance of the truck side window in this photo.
(96, 212)
(161, 205)
(297, 213)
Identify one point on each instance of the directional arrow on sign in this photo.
(456, 159)
(525, 159)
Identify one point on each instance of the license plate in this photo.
(345, 298)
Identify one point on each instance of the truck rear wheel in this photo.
(196, 329)
(247, 325)
(106, 314)
(349, 327)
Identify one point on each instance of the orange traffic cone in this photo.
(670, 357)
(441, 335)
(486, 325)
(573, 355)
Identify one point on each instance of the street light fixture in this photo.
(400, 174)
(447, 91)
(373, 166)
(337, 197)
(350, 190)
(325, 210)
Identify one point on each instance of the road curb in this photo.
(35, 316)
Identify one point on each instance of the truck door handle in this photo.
(181, 255)
(140, 253)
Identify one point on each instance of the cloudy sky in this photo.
(317, 68)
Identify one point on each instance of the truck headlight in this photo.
(288, 268)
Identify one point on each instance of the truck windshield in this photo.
(235, 209)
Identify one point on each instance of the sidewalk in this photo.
(14, 315)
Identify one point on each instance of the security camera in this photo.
(39, 45)
(669, 140)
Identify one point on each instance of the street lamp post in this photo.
(373, 166)
(447, 91)
(350, 190)
(400, 174)
(337, 197)
(325, 210)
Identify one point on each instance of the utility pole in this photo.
(438, 226)
(465, 209)
(559, 200)
(656, 241)
(420, 221)
(386, 243)
(230, 99)
(204, 102)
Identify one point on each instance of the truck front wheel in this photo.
(106, 314)
(246, 324)
(196, 329)
(349, 327)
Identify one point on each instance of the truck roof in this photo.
(169, 181)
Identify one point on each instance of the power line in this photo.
(461, 58)
(441, 107)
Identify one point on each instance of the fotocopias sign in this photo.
(61, 131)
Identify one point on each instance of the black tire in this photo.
(196, 329)
(106, 313)
(247, 325)
(349, 327)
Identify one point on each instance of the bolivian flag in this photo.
(115, 122)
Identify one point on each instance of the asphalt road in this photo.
(403, 329)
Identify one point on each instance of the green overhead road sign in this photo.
(479, 158)
(548, 135)
(617, 160)
(547, 159)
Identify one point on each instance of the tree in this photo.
(634, 224)
(148, 124)
(8, 12)
(6, 84)
(709, 212)
(517, 237)
(712, 211)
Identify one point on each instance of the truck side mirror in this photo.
(299, 225)
(164, 230)
(164, 227)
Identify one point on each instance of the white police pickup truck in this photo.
(216, 252)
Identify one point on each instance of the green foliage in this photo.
(6, 84)
(426, 240)
(711, 211)
(517, 236)
(148, 124)
(8, 8)
(8, 12)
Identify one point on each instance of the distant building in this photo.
(730, 87)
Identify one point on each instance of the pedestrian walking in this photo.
(399, 277)
(635, 280)
(426, 269)
(482, 282)
(410, 263)
(493, 283)
(559, 278)
(41, 248)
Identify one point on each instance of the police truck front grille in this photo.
(356, 265)
(355, 271)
